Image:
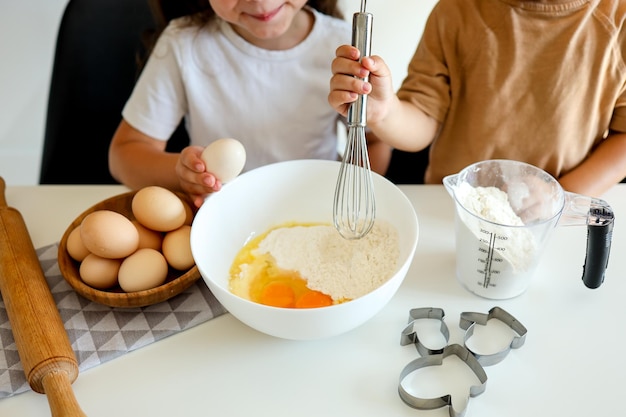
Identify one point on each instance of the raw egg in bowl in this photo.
(262, 222)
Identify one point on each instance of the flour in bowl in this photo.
(342, 269)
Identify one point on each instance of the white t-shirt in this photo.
(274, 102)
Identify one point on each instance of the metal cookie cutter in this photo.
(437, 359)
(469, 321)
(409, 335)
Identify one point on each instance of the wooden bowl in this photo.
(175, 283)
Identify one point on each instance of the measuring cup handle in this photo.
(599, 237)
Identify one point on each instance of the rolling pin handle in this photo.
(58, 389)
(3, 201)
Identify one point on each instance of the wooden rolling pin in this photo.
(44, 348)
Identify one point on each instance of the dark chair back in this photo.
(98, 57)
(407, 167)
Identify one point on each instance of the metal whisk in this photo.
(354, 206)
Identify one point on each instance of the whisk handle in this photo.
(362, 40)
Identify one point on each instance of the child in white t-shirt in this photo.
(254, 71)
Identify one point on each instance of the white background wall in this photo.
(28, 34)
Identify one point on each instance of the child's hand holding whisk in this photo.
(347, 83)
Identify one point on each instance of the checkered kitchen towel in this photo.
(99, 333)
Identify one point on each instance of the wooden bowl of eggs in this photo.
(131, 250)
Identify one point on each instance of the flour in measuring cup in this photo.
(515, 243)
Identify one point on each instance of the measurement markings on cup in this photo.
(490, 251)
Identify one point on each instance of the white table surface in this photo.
(572, 364)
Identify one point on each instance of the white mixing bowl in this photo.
(300, 191)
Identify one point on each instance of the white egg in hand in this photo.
(224, 158)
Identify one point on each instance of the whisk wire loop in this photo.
(354, 208)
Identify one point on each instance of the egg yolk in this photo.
(288, 292)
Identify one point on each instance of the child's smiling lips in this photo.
(266, 17)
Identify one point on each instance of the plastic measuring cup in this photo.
(505, 212)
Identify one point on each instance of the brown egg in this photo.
(75, 247)
(148, 238)
(188, 213)
(177, 248)
(159, 209)
(144, 269)
(100, 273)
(109, 234)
